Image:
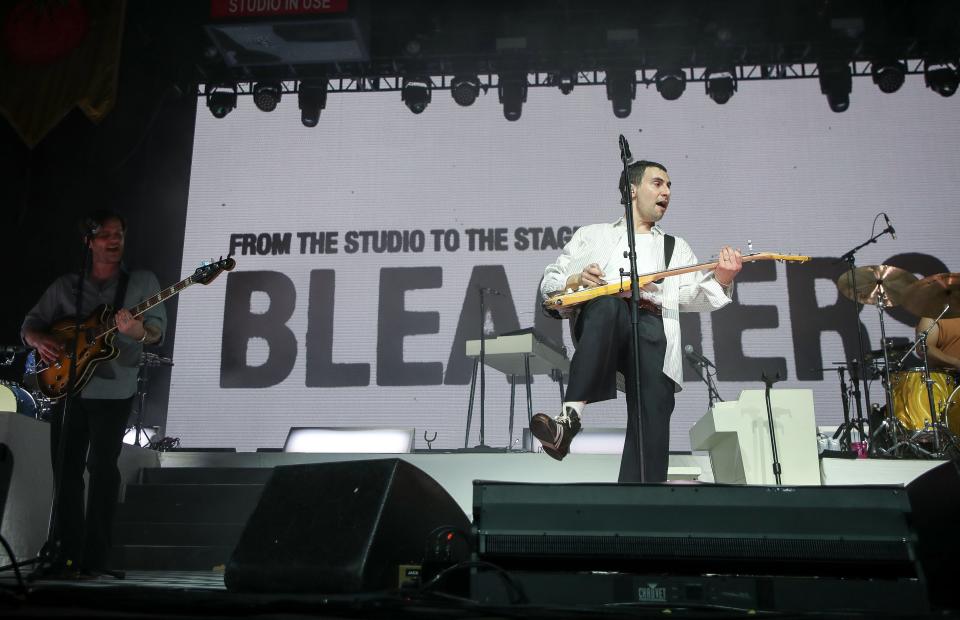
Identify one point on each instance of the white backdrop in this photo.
(774, 165)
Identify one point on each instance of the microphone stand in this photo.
(50, 551)
(768, 382)
(850, 258)
(635, 296)
(703, 372)
(845, 399)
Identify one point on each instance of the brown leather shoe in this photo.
(556, 434)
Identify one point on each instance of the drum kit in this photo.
(921, 417)
(19, 392)
(16, 393)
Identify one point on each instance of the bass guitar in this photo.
(572, 298)
(98, 331)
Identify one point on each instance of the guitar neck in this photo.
(161, 297)
(749, 258)
(146, 304)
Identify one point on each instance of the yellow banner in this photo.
(56, 55)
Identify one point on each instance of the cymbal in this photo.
(929, 296)
(874, 278)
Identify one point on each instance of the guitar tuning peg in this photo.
(749, 245)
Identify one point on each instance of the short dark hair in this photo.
(635, 172)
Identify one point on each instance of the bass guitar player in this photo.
(97, 416)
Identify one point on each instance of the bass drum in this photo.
(15, 399)
(910, 401)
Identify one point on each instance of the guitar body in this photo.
(91, 349)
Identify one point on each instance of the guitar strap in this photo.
(668, 242)
(121, 289)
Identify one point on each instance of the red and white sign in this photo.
(274, 8)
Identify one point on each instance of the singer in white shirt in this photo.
(602, 327)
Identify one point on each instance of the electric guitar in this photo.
(571, 298)
(97, 333)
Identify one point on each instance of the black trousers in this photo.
(93, 437)
(604, 346)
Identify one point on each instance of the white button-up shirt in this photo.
(690, 292)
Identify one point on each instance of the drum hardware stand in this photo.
(887, 385)
(768, 383)
(8, 354)
(843, 431)
(951, 438)
(147, 361)
(921, 342)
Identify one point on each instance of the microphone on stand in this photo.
(625, 154)
(890, 229)
(696, 358)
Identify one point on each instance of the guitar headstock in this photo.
(206, 273)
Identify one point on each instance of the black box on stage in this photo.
(339, 527)
(776, 548)
(935, 503)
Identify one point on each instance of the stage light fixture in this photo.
(836, 82)
(941, 77)
(221, 99)
(720, 85)
(266, 95)
(416, 93)
(670, 83)
(621, 91)
(350, 440)
(312, 98)
(512, 90)
(465, 89)
(888, 75)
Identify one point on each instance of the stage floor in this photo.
(181, 594)
(456, 471)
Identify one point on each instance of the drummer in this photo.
(943, 341)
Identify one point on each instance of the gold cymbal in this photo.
(929, 296)
(872, 279)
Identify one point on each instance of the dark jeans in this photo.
(93, 437)
(604, 340)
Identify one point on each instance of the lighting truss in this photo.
(543, 79)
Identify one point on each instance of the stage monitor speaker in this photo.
(339, 527)
(775, 548)
(935, 504)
